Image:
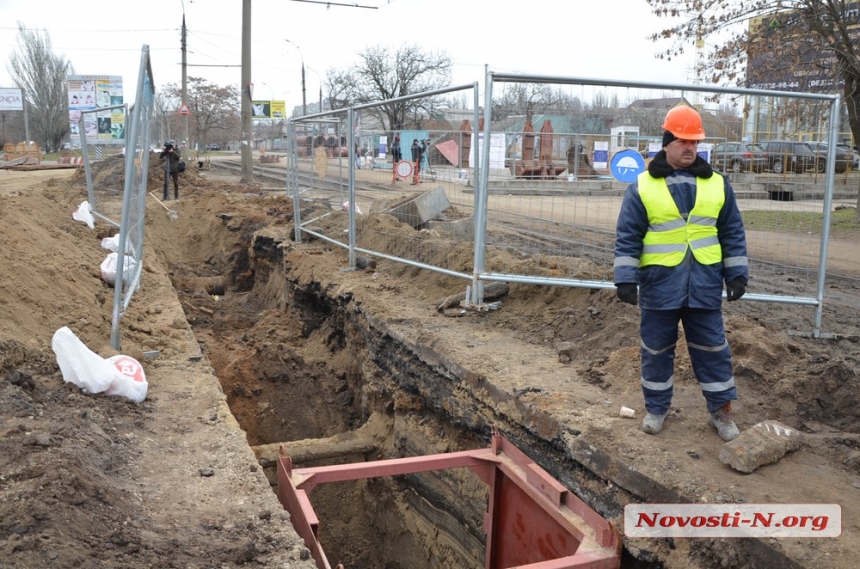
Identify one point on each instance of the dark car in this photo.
(739, 157)
(794, 156)
(844, 157)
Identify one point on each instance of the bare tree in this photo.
(527, 99)
(382, 75)
(804, 45)
(42, 76)
(212, 107)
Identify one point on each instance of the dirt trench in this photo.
(301, 361)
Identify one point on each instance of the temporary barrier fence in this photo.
(570, 239)
(336, 177)
(132, 215)
(542, 204)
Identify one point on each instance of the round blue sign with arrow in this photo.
(626, 165)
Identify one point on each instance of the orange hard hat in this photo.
(685, 123)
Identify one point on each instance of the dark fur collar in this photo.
(659, 168)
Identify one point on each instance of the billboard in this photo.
(268, 109)
(789, 58)
(11, 100)
(92, 92)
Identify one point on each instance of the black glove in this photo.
(735, 289)
(627, 292)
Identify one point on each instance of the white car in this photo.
(137, 150)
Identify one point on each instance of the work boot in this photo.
(721, 420)
(653, 424)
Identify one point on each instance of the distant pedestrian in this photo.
(171, 158)
(396, 152)
(417, 150)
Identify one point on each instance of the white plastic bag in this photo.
(112, 244)
(132, 384)
(346, 208)
(109, 265)
(119, 375)
(83, 213)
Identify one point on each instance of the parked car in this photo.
(792, 155)
(738, 157)
(855, 156)
(213, 147)
(843, 156)
(137, 150)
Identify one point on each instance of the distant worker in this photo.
(396, 151)
(679, 237)
(171, 158)
(417, 150)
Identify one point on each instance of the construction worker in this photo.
(679, 237)
(170, 155)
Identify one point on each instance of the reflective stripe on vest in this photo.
(668, 235)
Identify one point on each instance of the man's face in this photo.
(681, 153)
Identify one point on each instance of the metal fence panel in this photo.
(344, 170)
(132, 218)
(787, 215)
(540, 194)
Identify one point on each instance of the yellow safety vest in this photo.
(668, 235)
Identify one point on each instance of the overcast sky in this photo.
(581, 38)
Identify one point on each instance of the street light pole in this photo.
(304, 100)
(184, 79)
(320, 80)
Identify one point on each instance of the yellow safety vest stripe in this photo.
(668, 235)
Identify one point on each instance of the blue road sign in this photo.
(626, 165)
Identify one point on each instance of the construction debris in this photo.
(765, 443)
(22, 150)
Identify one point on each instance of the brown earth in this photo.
(171, 482)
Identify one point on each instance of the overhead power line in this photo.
(327, 4)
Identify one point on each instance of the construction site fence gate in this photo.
(540, 193)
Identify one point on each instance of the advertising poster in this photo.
(90, 93)
(601, 155)
(279, 109)
(261, 109)
(497, 150)
(11, 100)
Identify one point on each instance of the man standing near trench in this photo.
(679, 237)
(171, 158)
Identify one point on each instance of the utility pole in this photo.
(184, 81)
(304, 101)
(247, 158)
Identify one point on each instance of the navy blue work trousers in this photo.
(709, 353)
